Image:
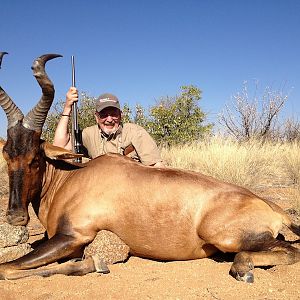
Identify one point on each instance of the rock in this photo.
(14, 252)
(12, 235)
(108, 246)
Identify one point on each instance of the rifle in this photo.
(76, 136)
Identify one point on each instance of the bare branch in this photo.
(252, 117)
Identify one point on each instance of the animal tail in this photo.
(286, 220)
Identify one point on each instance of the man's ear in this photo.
(96, 117)
(55, 152)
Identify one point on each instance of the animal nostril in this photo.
(17, 219)
(10, 219)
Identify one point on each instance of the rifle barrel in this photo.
(75, 126)
(73, 70)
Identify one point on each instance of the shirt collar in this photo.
(112, 136)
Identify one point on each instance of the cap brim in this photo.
(108, 104)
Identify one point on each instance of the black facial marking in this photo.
(20, 141)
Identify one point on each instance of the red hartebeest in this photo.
(163, 214)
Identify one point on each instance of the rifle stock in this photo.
(76, 133)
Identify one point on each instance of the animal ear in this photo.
(2, 143)
(55, 152)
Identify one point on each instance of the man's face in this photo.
(109, 119)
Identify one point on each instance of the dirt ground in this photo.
(145, 279)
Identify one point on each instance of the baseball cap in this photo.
(106, 100)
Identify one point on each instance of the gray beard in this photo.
(109, 133)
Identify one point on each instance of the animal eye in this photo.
(34, 163)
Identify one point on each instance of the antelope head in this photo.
(22, 148)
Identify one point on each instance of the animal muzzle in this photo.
(17, 218)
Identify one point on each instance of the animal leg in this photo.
(278, 253)
(57, 247)
(75, 267)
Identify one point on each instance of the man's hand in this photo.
(71, 97)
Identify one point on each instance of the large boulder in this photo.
(13, 242)
(13, 252)
(108, 247)
(12, 235)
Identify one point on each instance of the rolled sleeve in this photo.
(143, 143)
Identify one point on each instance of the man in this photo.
(109, 135)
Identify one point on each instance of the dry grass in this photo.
(249, 164)
(292, 161)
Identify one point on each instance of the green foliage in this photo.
(86, 116)
(173, 120)
(52, 121)
(179, 119)
(140, 117)
(126, 114)
(86, 111)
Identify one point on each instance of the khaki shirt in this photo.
(145, 149)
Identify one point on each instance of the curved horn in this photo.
(1, 56)
(35, 119)
(13, 113)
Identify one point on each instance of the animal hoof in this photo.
(100, 265)
(247, 277)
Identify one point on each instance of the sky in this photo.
(143, 50)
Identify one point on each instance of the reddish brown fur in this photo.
(162, 214)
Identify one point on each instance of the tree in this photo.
(179, 119)
(140, 117)
(253, 117)
(86, 116)
(126, 114)
(173, 120)
(52, 119)
(290, 130)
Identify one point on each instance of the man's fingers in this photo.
(73, 89)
